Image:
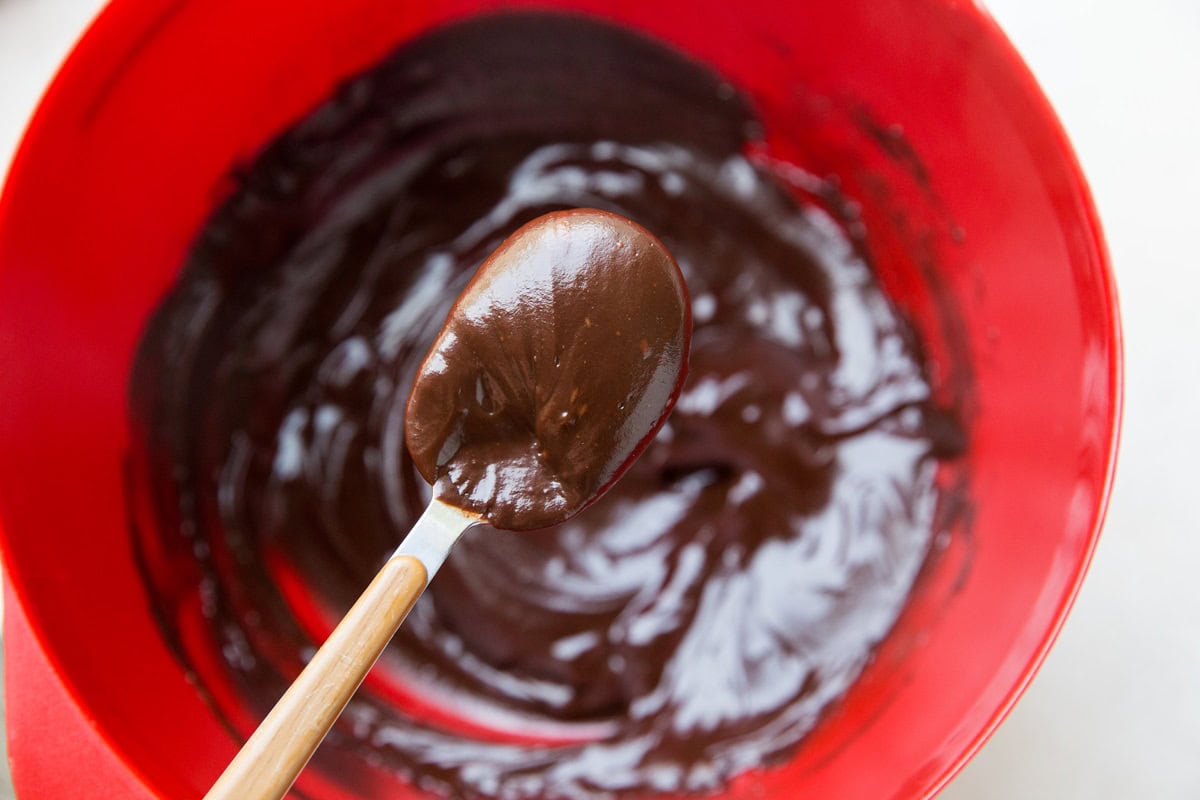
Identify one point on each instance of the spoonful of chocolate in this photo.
(555, 367)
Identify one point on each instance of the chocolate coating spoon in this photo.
(555, 367)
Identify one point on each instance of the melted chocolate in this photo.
(694, 622)
(560, 360)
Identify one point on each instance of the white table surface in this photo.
(1115, 711)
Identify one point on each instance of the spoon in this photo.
(556, 366)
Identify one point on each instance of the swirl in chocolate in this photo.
(693, 623)
(556, 365)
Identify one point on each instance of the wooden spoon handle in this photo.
(271, 759)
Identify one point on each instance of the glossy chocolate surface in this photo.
(556, 365)
(693, 623)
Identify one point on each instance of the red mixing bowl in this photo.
(922, 110)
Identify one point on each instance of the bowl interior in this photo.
(979, 219)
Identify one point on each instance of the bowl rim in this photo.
(1116, 381)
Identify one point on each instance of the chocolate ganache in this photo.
(557, 364)
(694, 622)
